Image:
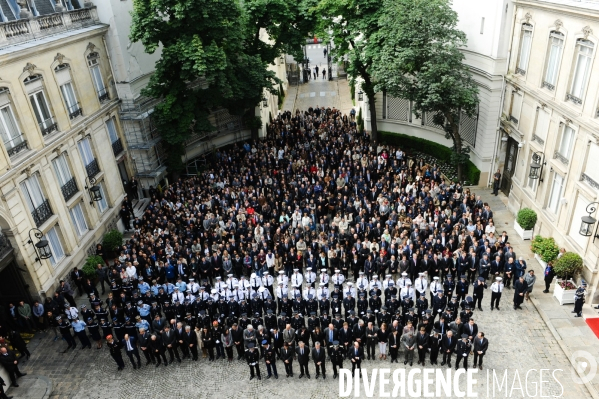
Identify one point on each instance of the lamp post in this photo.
(41, 247)
(360, 95)
(536, 167)
(588, 222)
(94, 190)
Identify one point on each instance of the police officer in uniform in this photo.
(579, 299)
(253, 358)
(337, 354)
(115, 351)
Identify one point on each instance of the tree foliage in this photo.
(420, 60)
(214, 55)
(349, 24)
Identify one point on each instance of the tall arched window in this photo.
(14, 141)
(556, 47)
(35, 89)
(525, 44)
(93, 61)
(582, 68)
(63, 77)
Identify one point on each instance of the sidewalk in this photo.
(571, 333)
(31, 387)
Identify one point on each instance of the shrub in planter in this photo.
(90, 266)
(112, 240)
(527, 218)
(568, 265)
(546, 248)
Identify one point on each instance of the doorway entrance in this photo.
(511, 155)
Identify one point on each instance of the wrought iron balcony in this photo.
(92, 168)
(548, 85)
(513, 119)
(103, 95)
(591, 182)
(117, 147)
(574, 99)
(69, 189)
(42, 213)
(561, 158)
(75, 111)
(48, 126)
(16, 145)
(520, 71)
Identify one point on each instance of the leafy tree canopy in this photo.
(214, 54)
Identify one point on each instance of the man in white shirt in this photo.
(496, 290)
(178, 296)
(297, 278)
(420, 285)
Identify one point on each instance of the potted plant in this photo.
(566, 268)
(112, 242)
(525, 223)
(545, 250)
(90, 267)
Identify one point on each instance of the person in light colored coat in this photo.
(530, 279)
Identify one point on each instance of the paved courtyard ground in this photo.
(519, 341)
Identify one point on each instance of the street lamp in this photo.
(94, 190)
(41, 247)
(536, 167)
(360, 95)
(588, 222)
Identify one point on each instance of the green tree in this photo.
(420, 60)
(213, 55)
(349, 24)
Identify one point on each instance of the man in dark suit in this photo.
(356, 355)
(179, 336)
(345, 337)
(115, 351)
(143, 338)
(253, 358)
(331, 334)
(287, 355)
(158, 324)
(77, 277)
(10, 364)
(319, 360)
(448, 344)
(277, 341)
(480, 345)
(470, 329)
(191, 341)
(157, 347)
(270, 358)
(170, 342)
(303, 357)
(462, 352)
(422, 343)
(131, 349)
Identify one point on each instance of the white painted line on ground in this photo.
(313, 94)
(323, 93)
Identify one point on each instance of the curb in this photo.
(592, 390)
(49, 388)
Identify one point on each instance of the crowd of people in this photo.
(314, 243)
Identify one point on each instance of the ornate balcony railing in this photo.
(561, 158)
(520, 71)
(548, 85)
(92, 168)
(16, 145)
(103, 95)
(574, 99)
(75, 111)
(48, 126)
(42, 213)
(591, 182)
(117, 147)
(69, 189)
(513, 119)
(23, 30)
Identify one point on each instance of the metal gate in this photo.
(509, 167)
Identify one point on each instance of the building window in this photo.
(582, 69)
(55, 246)
(87, 156)
(541, 126)
(591, 171)
(63, 77)
(533, 183)
(102, 204)
(67, 183)
(39, 103)
(515, 107)
(13, 139)
(556, 192)
(525, 44)
(556, 46)
(94, 66)
(78, 220)
(117, 145)
(564, 150)
(36, 201)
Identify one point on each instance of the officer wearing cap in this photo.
(270, 359)
(496, 290)
(579, 298)
(79, 329)
(252, 356)
(114, 347)
(462, 351)
(435, 345)
(65, 330)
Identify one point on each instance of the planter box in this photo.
(524, 234)
(564, 297)
(541, 262)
